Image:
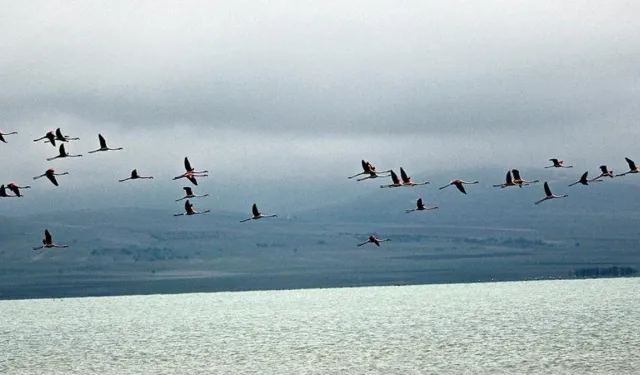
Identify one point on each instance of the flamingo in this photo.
(188, 208)
(584, 181)
(16, 189)
(458, 184)
(395, 180)
(373, 239)
(62, 138)
(63, 154)
(406, 180)
(368, 168)
(632, 168)
(421, 207)
(508, 182)
(558, 164)
(549, 195)
(519, 181)
(257, 214)
(605, 172)
(103, 146)
(3, 134)
(3, 193)
(47, 242)
(50, 136)
(51, 175)
(189, 194)
(191, 172)
(135, 176)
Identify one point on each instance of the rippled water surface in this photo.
(561, 327)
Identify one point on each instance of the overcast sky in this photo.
(301, 91)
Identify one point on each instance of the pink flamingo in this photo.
(188, 208)
(47, 242)
(51, 136)
(368, 168)
(604, 172)
(63, 154)
(51, 175)
(458, 184)
(189, 194)
(558, 164)
(632, 168)
(16, 189)
(373, 239)
(135, 176)
(421, 207)
(3, 134)
(257, 214)
(549, 195)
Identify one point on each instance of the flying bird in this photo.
(135, 176)
(51, 136)
(47, 242)
(51, 175)
(395, 181)
(604, 172)
(189, 194)
(373, 239)
(368, 169)
(421, 207)
(558, 164)
(632, 168)
(103, 145)
(3, 134)
(63, 154)
(62, 138)
(406, 180)
(3, 193)
(508, 182)
(188, 208)
(191, 173)
(459, 184)
(257, 214)
(549, 195)
(519, 181)
(584, 181)
(16, 189)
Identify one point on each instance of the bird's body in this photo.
(47, 242)
(558, 164)
(604, 172)
(51, 175)
(406, 180)
(368, 169)
(632, 168)
(584, 180)
(103, 145)
(257, 214)
(519, 181)
(63, 154)
(373, 239)
(395, 181)
(3, 193)
(191, 173)
(549, 195)
(421, 207)
(62, 138)
(508, 182)
(136, 176)
(459, 184)
(3, 134)
(16, 189)
(188, 208)
(50, 136)
(188, 193)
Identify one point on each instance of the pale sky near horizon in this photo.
(300, 91)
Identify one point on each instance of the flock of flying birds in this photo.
(369, 171)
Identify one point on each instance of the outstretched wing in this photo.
(583, 178)
(59, 134)
(187, 190)
(47, 236)
(603, 169)
(188, 206)
(62, 150)
(554, 161)
(192, 178)
(365, 166)
(419, 203)
(632, 165)
(14, 189)
(516, 174)
(187, 165)
(547, 190)
(3, 191)
(2, 138)
(404, 176)
(103, 143)
(461, 188)
(134, 173)
(254, 210)
(394, 178)
(509, 179)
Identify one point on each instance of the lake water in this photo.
(535, 327)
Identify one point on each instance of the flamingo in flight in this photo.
(62, 138)
(519, 181)
(47, 242)
(558, 164)
(373, 239)
(189, 194)
(103, 146)
(135, 176)
(370, 169)
(191, 172)
(549, 195)
(51, 136)
(51, 175)
(63, 154)
(188, 208)
(421, 207)
(16, 189)
(584, 181)
(406, 180)
(257, 214)
(632, 168)
(604, 172)
(3, 134)
(459, 184)
(508, 182)
(395, 181)
(3, 193)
